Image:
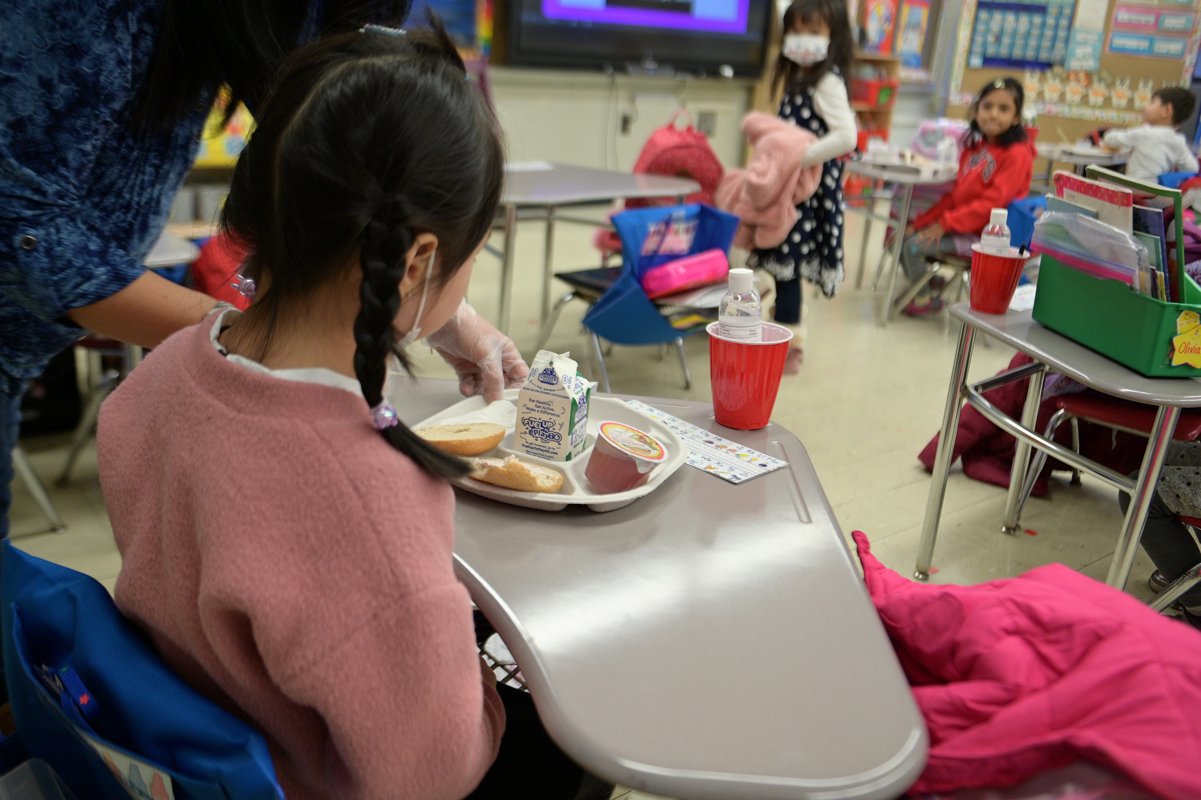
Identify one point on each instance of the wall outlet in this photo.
(706, 122)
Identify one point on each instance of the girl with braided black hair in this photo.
(286, 540)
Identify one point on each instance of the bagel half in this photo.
(513, 473)
(464, 438)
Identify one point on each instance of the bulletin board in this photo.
(1115, 54)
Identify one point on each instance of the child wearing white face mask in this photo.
(815, 56)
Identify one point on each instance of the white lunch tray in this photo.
(576, 490)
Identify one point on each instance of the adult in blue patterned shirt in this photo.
(102, 103)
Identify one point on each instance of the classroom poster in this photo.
(1020, 33)
(1094, 84)
(1088, 34)
(1151, 31)
(911, 33)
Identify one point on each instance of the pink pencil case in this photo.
(709, 266)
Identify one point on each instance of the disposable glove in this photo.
(486, 361)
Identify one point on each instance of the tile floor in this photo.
(866, 401)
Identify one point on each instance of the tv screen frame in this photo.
(643, 40)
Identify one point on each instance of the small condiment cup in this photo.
(622, 457)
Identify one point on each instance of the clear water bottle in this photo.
(741, 315)
(995, 238)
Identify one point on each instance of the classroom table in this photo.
(544, 188)
(1058, 354)
(1053, 153)
(905, 179)
(710, 640)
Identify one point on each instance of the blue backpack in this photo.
(91, 698)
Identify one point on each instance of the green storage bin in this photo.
(1108, 316)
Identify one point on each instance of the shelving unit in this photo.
(875, 79)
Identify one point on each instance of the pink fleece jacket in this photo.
(1018, 676)
(765, 194)
(292, 566)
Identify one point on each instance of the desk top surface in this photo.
(171, 250)
(1058, 152)
(900, 173)
(707, 641)
(1021, 332)
(543, 184)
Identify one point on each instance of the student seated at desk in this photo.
(995, 168)
(1157, 146)
(287, 541)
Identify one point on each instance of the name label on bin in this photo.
(1186, 345)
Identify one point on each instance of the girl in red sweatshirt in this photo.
(994, 170)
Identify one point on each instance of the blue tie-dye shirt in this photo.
(82, 197)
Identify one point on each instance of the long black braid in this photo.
(383, 263)
(366, 141)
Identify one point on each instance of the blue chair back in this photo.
(1022, 214)
(650, 237)
(92, 699)
(1172, 180)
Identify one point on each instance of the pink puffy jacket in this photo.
(765, 194)
(1022, 675)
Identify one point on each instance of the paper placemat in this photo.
(714, 454)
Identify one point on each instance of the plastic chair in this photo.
(650, 237)
(91, 699)
(1172, 180)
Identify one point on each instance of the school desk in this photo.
(1058, 354)
(1057, 153)
(542, 188)
(904, 179)
(710, 640)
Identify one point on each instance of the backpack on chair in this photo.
(674, 153)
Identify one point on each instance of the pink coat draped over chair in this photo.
(765, 194)
(1019, 676)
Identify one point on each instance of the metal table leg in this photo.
(506, 268)
(1021, 457)
(1140, 498)
(24, 470)
(897, 241)
(942, 459)
(548, 274)
(870, 208)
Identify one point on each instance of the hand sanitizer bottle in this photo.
(995, 238)
(741, 315)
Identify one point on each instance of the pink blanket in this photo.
(765, 194)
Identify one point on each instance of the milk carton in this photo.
(552, 409)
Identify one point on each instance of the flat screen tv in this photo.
(698, 37)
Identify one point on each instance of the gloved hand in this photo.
(486, 361)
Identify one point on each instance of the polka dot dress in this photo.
(813, 249)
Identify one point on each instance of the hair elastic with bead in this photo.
(245, 287)
(384, 416)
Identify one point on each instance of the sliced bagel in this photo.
(513, 473)
(464, 438)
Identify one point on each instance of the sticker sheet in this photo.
(714, 454)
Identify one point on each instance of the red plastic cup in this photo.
(993, 280)
(746, 376)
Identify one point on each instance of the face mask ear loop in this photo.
(415, 333)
